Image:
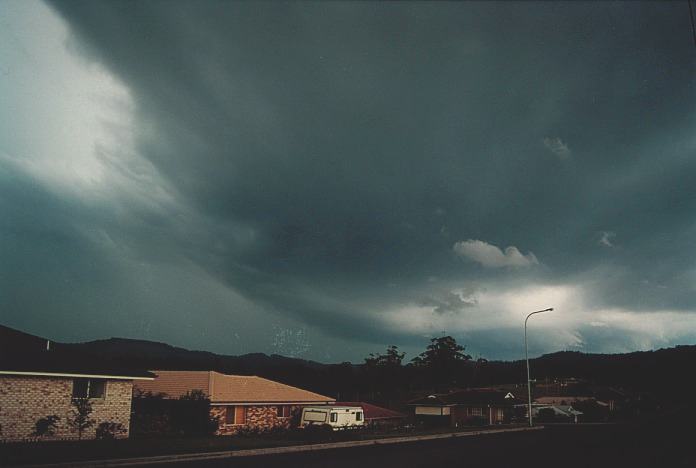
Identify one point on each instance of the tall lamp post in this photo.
(526, 356)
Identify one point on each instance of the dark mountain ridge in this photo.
(654, 371)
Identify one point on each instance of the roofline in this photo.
(332, 406)
(280, 402)
(435, 405)
(66, 374)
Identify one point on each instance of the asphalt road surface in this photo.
(634, 446)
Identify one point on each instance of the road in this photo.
(635, 446)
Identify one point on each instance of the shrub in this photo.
(546, 415)
(278, 432)
(247, 431)
(319, 432)
(110, 430)
(191, 415)
(150, 415)
(188, 415)
(45, 426)
(475, 421)
(79, 420)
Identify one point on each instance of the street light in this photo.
(526, 356)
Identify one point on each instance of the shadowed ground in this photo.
(646, 445)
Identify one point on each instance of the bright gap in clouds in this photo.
(67, 112)
(575, 324)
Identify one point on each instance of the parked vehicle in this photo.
(337, 417)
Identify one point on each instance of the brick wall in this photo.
(24, 399)
(257, 417)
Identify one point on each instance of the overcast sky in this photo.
(322, 180)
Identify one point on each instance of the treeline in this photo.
(387, 377)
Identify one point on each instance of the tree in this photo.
(391, 358)
(444, 362)
(384, 373)
(441, 352)
(80, 420)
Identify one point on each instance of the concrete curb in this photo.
(187, 457)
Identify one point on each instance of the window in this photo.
(476, 412)
(229, 415)
(359, 416)
(235, 415)
(283, 411)
(97, 388)
(334, 417)
(89, 388)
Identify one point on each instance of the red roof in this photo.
(373, 412)
(224, 388)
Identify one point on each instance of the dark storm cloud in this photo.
(324, 160)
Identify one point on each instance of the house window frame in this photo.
(90, 384)
(233, 410)
(283, 411)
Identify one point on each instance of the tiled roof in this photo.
(173, 384)
(373, 412)
(466, 397)
(223, 388)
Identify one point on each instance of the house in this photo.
(465, 407)
(376, 416)
(567, 391)
(563, 400)
(36, 386)
(552, 413)
(238, 401)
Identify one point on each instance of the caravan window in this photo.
(358, 416)
(316, 416)
(334, 417)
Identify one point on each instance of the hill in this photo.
(657, 372)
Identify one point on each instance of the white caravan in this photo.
(338, 417)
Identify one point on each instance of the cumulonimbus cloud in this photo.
(490, 256)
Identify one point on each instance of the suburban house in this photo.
(39, 386)
(568, 391)
(554, 413)
(465, 407)
(40, 380)
(238, 401)
(376, 416)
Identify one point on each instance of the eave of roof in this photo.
(277, 402)
(434, 404)
(75, 375)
